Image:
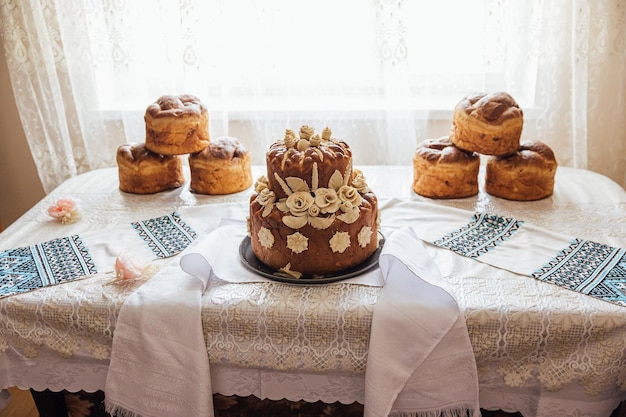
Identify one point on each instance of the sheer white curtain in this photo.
(383, 74)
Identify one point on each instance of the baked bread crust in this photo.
(441, 170)
(312, 215)
(526, 175)
(221, 168)
(141, 171)
(319, 258)
(294, 156)
(489, 124)
(177, 125)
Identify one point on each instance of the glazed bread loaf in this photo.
(312, 215)
(489, 124)
(526, 175)
(221, 168)
(295, 155)
(141, 171)
(441, 170)
(177, 125)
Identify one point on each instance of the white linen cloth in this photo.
(220, 250)
(159, 363)
(420, 360)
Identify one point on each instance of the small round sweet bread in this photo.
(526, 175)
(177, 125)
(489, 124)
(221, 168)
(442, 170)
(141, 171)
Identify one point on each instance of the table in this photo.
(540, 349)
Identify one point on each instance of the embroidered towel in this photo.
(581, 265)
(420, 360)
(78, 256)
(159, 362)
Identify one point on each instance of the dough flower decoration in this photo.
(260, 184)
(65, 210)
(318, 206)
(359, 182)
(266, 198)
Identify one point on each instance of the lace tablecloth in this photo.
(540, 349)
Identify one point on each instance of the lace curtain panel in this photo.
(384, 74)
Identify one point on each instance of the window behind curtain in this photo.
(327, 55)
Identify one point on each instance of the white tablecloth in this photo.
(540, 349)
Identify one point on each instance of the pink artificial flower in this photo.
(128, 266)
(66, 210)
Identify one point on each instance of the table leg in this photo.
(50, 403)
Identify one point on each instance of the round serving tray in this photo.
(250, 261)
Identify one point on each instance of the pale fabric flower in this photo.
(65, 210)
(128, 266)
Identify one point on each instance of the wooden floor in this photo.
(21, 405)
